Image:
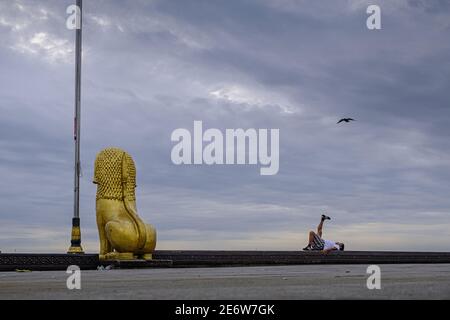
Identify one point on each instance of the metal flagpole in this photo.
(76, 232)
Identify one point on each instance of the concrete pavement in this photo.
(418, 281)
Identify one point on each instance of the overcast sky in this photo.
(151, 67)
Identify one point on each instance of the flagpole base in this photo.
(75, 247)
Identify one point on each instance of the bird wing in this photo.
(342, 120)
(350, 119)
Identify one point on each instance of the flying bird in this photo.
(347, 120)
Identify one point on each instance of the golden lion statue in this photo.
(123, 235)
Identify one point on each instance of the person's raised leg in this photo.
(320, 226)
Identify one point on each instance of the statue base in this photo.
(136, 264)
(128, 256)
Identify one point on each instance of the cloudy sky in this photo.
(151, 67)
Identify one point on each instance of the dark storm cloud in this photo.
(154, 66)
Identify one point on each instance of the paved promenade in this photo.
(431, 281)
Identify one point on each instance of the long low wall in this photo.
(251, 258)
(164, 259)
